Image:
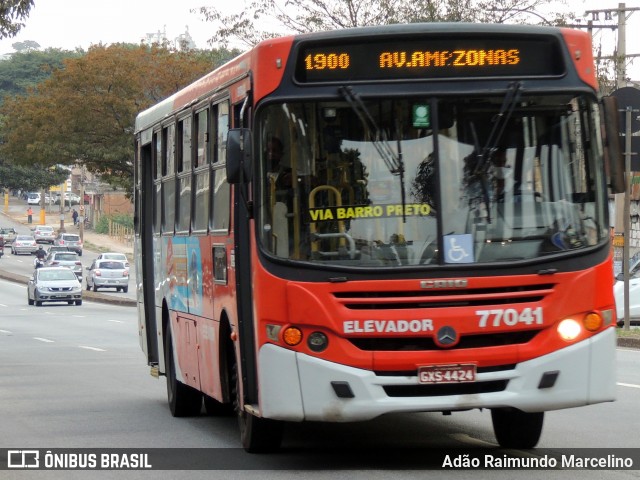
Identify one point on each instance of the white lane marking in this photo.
(5, 331)
(630, 385)
(45, 340)
(95, 349)
(3, 305)
(115, 321)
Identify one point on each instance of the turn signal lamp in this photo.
(292, 336)
(569, 329)
(593, 322)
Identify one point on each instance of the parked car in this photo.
(24, 244)
(114, 256)
(634, 296)
(69, 199)
(54, 284)
(33, 198)
(9, 234)
(44, 233)
(65, 259)
(108, 274)
(71, 241)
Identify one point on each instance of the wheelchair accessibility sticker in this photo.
(458, 248)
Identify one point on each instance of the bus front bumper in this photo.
(297, 387)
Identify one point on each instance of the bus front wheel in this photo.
(517, 429)
(258, 435)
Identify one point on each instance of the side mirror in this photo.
(239, 153)
(614, 161)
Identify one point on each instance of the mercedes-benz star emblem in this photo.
(446, 337)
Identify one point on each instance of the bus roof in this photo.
(248, 63)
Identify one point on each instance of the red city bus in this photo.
(408, 218)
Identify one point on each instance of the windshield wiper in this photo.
(391, 159)
(499, 121)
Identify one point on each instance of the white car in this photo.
(33, 198)
(108, 274)
(114, 256)
(634, 298)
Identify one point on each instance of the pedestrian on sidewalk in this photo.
(29, 215)
(74, 215)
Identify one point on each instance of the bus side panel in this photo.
(199, 293)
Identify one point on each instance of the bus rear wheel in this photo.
(184, 401)
(258, 435)
(517, 429)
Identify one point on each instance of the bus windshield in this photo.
(382, 182)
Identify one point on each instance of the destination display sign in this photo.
(430, 58)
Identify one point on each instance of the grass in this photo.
(631, 333)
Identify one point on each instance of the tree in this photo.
(12, 14)
(85, 112)
(26, 46)
(31, 178)
(26, 69)
(302, 16)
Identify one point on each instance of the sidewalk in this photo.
(17, 211)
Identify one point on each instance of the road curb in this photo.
(86, 294)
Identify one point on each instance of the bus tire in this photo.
(183, 400)
(258, 435)
(516, 429)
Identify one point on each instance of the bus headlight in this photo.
(569, 329)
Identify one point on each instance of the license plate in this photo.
(458, 373)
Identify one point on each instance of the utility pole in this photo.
(81, 207)
(620, 56)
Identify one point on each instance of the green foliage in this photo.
(25, 70)
(30, 178)
(12, 15)
(84, 113)
(102, 225)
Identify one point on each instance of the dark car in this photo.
(71, 241)
(54, 284)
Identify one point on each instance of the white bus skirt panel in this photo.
(297, 387)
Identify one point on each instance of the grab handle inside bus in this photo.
(614, 161)
(239, 150)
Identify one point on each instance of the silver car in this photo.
(71, 241)
(24, 244)
(65, 259)
(108, 274)
(54, 284)
(44, 233)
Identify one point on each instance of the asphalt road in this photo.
(75, 377)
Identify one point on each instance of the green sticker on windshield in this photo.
(421, 116)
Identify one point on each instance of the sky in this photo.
(68, 24)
